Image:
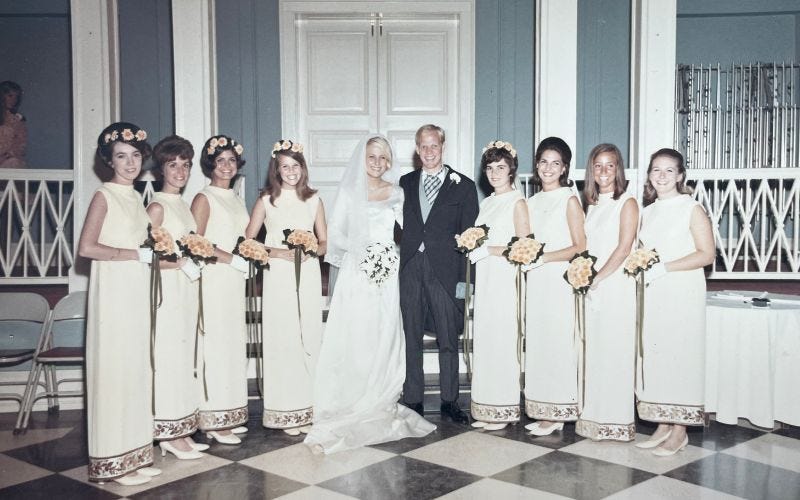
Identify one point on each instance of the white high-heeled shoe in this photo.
(663, 452)
(133, 479)
(149, 471)
(294, 431)
(239, 430)
(223, 438)
(652, 443)
(304, 429)
(197, 446)
(499, 426)
(546, 431)
(478, 424)
(192, 454)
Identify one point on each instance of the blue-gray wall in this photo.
(738, 31)
(249, 82)
(604, 50)
(504, 84)
(35, 41)
(145, 66)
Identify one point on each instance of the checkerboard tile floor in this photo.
(454, 462)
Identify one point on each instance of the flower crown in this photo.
(221, 142)
(125, 134)
(501, 145)
(286, 144)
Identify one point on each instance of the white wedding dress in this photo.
(361, 366)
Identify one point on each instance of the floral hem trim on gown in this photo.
(671, 413)
(494, 413)
(552, 412)
(176, 428)
(605, 432)
(222, 419)
(279, 419)
(110, 468)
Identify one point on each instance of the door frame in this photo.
(464, 10)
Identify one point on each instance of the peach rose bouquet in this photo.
(580, 275)
(636, 264)
(469, 240)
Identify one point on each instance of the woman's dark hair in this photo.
(124, 132)
(558, 145)
(591, 191)
(8, 87)
(650, 195)
(273, 186)
(213, 147)
(169, 149)
(494, 154)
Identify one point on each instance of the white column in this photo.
(195, 79)
(556, 70)
(95, 104)
(653, 39)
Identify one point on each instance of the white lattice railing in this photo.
(37, 227)
(36, 230)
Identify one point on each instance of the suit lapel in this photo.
(414, 195)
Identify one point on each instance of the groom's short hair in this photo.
(429, 128)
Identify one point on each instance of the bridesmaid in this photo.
(675, 304)
(221, 217)
(551, 392)
(611, 222)
(119, 409)
(290, 354)
(495, 378)
(177, 391)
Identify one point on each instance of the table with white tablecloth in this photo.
(753, 359)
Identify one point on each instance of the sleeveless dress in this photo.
(224, 342)
(496, 369)
(551, 391)
(289, 357)
(674, 320)
(177, 391)
(119, 408)
(361, 366)
(610, 342)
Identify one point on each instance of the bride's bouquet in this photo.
(466, 242)
(379, 263)
(636, 264)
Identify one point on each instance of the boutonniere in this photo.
(455, 177)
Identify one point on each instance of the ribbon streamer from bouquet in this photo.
(201, 252)
(522, 251)
(469, 240)
(580, 275)
(299, 249)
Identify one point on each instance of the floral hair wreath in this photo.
(501, 145)
(125, 134)
(221, 142)
(286, 144)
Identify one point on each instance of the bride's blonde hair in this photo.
(384, 145)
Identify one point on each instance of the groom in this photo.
(439, 203)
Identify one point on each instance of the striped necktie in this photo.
(431, 186)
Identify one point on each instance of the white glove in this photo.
(240, 264)
(657, 271)
(145, 255)
(191, 270)
(479, 253)
(532, 265)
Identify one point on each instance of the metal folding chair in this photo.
(24, 317)
(62, 343)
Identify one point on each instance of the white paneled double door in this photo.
(352, 75)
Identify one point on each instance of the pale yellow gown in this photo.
(551, 389)
(610, 342)
(496, 370)
(290, 358)
(225, 338)
(674, 336)
(118, 374)
(177, 390)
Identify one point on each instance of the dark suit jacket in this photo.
(454, 210)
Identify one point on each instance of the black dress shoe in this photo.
(453, 412)
(417, 407)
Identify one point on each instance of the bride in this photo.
(361, 366)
